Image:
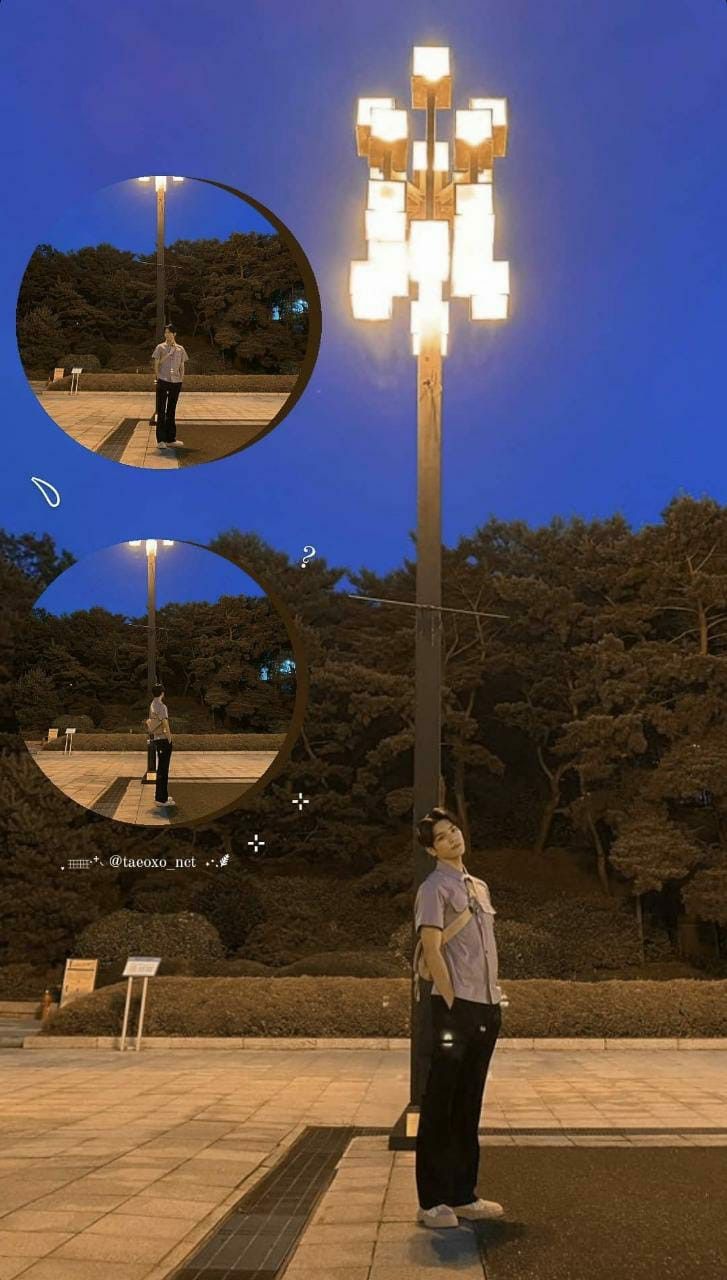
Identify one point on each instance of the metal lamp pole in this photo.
(433, 231)
(161, 202)
(151, 634)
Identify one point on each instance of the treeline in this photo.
(239, 306)
(225, 666)
(590, 718)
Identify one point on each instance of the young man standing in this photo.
(169, 360)
(162, 735)
(466, 1019)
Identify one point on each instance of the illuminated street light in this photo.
(430, 239)
(151, 546)
(160, 184)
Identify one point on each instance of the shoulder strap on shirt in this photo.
(454, 926)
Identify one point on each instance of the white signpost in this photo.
(144, 967)
(75, 379)
(68, 744)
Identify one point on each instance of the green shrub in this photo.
(174, 937)
(236, 968)
(26, 981)
(86, 361)
(323, 1006)
(91, 381)
(526, 952)
(81, 723)
(312, 914)
(233, 911)
(182, 741)
(345, 964)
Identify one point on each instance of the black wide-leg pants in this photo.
(163, 750)
(167, 397)
(448, 1149)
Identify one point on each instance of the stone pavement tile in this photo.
(333, 1232)
(201, 1192)
(76, 1198)
(351, 1253)
(216, 1175)
(150, 1206)
(326, 1273)
(34, 1219)
(451, 1249)
(20, 1244)
(352, 1213)
(145, 1227)
(400, 1230)
(377, 1179)
(97, 1248)
(404, 1271)
(335, 1199)
(57, 1269)
(11, 1267)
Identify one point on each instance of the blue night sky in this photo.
(604, 391)
(124, 215)
(115, 579)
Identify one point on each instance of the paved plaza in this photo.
(116, 1166)
(110, 782)
(116, 423)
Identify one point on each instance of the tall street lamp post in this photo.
(430, 239)
(161, 191)
(151, 634)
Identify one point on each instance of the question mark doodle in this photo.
(311, 552)
(48, 490)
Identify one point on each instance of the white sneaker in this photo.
(165, 803)
(440, 1216)
(479, 1209)
(175, 444)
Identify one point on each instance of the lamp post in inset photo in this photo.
(151, 633)
(430, 228)
(161, 291)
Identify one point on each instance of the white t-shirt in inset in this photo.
(158, 713)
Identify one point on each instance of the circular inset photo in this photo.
(168, 321)
(163, 683)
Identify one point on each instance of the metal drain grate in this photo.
(108, 802)
(257, 1237)
(113, 446)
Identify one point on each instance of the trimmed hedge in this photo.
(380, 1007)
(345, 964)
(182, 742)
(185, 937)
(232, 382)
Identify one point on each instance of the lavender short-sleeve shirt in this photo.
(471, 956)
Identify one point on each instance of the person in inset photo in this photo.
(169, 359)
(454, 919)
(116, 268)
(109, 635)
(158, 725)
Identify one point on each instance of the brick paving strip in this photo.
(118, 1166)
(87, 776)
(92, 417)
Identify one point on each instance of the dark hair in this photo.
(157, 690)
(425, 827)
(170, 327)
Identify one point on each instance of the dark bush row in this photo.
(275, 382)
(102, 741)
(261, 1006)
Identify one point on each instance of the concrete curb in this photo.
(562, 1044)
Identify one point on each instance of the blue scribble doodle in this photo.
(49, 491)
